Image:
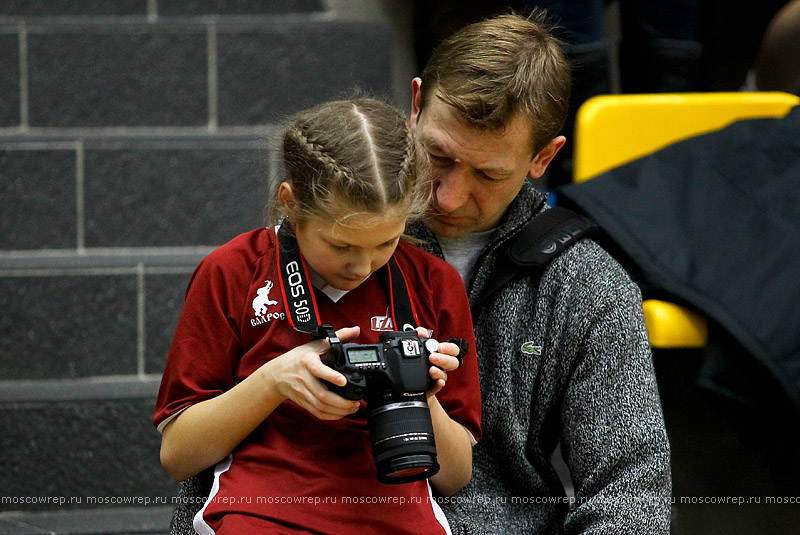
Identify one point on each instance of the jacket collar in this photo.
(528, 202)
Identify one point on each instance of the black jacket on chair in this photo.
(714, 222)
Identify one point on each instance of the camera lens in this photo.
(402, 441)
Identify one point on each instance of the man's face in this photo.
(476, 173)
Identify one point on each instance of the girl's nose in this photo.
(361, 266)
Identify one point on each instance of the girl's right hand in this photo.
(296, 375)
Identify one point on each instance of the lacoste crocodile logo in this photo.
(529, 348)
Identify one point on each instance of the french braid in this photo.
(351, 156)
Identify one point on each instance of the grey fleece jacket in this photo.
(565, 361)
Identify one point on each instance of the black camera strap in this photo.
(529, 252)
(301, 304)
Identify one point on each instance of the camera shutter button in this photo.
(431, 345)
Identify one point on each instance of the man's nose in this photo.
(451, 189)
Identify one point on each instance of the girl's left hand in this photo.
(444, 360)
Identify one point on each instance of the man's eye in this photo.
(484, 176)
(440, 160)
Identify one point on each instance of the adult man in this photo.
(564, 359)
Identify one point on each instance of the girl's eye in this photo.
(340, 248)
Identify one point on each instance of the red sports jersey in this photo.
(295, 473)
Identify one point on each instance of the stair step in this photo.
(83, 323)
(164, 8)
(107, 521)
(186, 72)
(132, 191)
(73, 444)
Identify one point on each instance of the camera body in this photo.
(392, 376)
(398, 363)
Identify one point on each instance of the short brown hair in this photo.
(349, 156)
(491, 70)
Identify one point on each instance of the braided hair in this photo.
(350, 156)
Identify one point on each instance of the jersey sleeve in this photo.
(206, 346)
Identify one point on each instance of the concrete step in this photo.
(152, 520)
(161, 8)
(107, 189)
(100, 235)
(184, 72)
(81, 443)
(112, 316)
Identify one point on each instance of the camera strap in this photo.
(301, 304)
(529, 252)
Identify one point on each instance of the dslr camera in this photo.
(392, 376)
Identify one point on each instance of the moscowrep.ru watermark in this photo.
(9, 502)
(65, 501)
(642, 501)
(737, 500)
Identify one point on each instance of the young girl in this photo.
(243, 387)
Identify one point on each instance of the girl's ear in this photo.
(286, 199)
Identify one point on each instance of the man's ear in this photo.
(416, 100)
(542, 160)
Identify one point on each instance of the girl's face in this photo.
(346, 254)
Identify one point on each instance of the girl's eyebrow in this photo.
(387, 242)
(339, 243)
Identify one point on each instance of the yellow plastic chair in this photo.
(611, 130)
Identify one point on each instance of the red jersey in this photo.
(295, 473)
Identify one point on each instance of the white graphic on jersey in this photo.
(262, 301)
(261, 304)
(381, 323)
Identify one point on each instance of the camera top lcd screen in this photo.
(362, 354)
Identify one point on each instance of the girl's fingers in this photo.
(446, 362)
(322, 371)
(348, 334)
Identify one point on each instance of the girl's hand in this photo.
(296, 375)
(444, 360)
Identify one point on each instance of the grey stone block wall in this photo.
(9, 79)
(163, 193)
(164, 8)
(117, 75)
(337, 58)
(38, 197)
(135, 136)
(86, 465)
(68, 325)
(238, 7)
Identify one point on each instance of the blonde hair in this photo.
(491, 70)
(348, 156)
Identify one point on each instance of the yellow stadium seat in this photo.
(611, 130)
